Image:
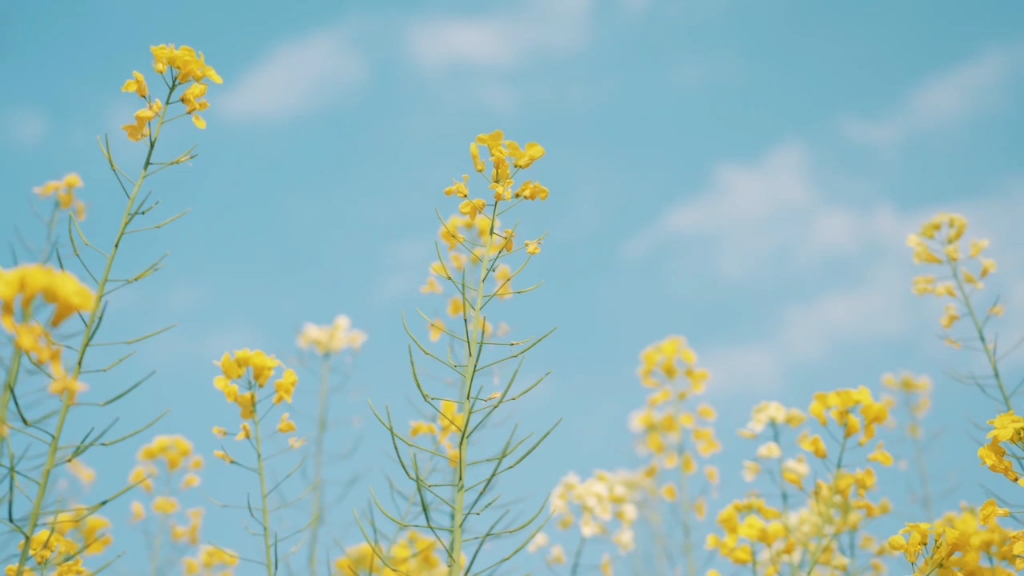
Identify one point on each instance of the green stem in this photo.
(318, 463)
(979, 328)
(474, 316)
(12, 378)
(267, 548)
(920, 462)
(154, 568)
(577, 556)
(685, 504)
(51, 457)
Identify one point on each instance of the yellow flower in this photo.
(503, 276)
(456, 307)
(950, 317)
(706, 412)
(881, 456)
(286, 425)
(192, 99)
(711, 473)
(223, 456)
(557, 555)
(533, 247)
(751, 470)
(165, 505)
(458, 188)
(432, 286)
(191, 480)
(988, 266)
(245, 433)
(92, 531)
(493, 140)
(85, 474)
(219, 432)
(472, 207)
(142, 475)
(247, 403)
(531, 190)
(419, 428)
(138, 511)
(769, 451)
(700, 509)
(137, 84)
(990, 511)
(997, 310)
(437, 329)
(525, 158)
(284, 387)
(474, 153)
(669, 492)
(813, 444)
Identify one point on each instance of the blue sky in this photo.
(740, 173)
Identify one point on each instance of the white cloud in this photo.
(768, 219)
(500, 40)
(964, 91)
(809, 331)
(741, 203)
(297, 77)
(27, 127)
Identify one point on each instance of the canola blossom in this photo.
(815, 492)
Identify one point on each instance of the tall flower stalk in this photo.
(180, 69)
(478, 248)
(328, 342)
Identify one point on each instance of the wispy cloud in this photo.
(808, 331)
(500, 40)
(26, 127)
(769, 218)
(785, 202)
(952, 96)
(297, 77)
(742, 201)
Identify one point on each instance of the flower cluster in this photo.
(449, 423)
(211, 561)
(333, 338)
(171, 461)
(745, 523)
(185, 65)
(599, 501)
(855, 411)
(1007, 430)
(774, 417)
(173, 453)
(20, 287)
(65, 191)
(471, 235)
(970, 541)
(413, 553)
(78, 524)
(260, 367)
(52, 550)
(805, 535)
(939, 243)
(671, 433)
